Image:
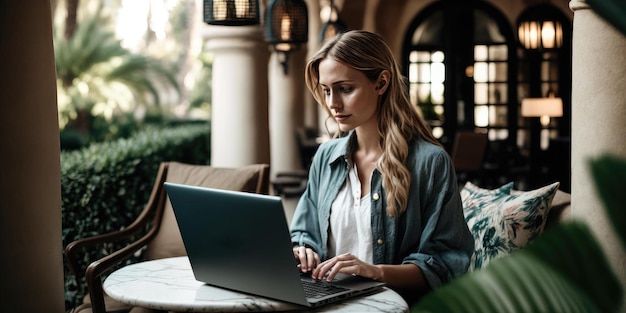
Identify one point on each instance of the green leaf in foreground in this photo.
(614, 11)
(609, 174)
(537, 279)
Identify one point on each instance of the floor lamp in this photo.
(539, 110)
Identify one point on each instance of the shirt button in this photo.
(379, 241)
(375, 196)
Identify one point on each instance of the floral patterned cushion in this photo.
(502, 222)
(474, 192)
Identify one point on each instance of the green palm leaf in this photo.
(572, 251)
(609, 173)
(508, 287)
(143, 75)
(96, 71)
(564, 270)
(91, 45)
(614, 11)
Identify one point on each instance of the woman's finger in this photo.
(300, 254)
(349, 266)
(312, 259)
(320, 271)
(307, 258)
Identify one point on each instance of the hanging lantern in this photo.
(231, 12)
(539, 28)
(333, 24)
(286, 27)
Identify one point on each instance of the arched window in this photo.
(461, 62)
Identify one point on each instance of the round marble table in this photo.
(169, 284)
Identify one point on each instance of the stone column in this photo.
(598, 119)
(239, 105)
(31, 265)
(311, 107)
(286, 110)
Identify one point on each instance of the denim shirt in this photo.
(431, 233)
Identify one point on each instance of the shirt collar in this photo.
(342, 150)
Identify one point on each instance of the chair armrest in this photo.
(96, 268)
(154, 208)
(295, 173)
(74, 248)
(155, 204)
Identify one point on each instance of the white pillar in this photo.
(286, 110)
(598, 119)
(239, 105)
(31, 265)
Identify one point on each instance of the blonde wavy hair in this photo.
(399, 121)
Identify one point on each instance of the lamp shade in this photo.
(231, 12)
(538, 107)
(286, 24)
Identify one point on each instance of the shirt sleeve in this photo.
(445, 243)
(304, 228)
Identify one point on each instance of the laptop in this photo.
(240, 241)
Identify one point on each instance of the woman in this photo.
(382, 201)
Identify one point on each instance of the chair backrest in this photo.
(306, 138)
(250, 178)
(469, 151)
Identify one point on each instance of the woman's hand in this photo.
(347, 264)
(306, 257)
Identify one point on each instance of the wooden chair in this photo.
(468, 154)
(292, 183)
(157, 226)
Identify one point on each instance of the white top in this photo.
(350, 221)
(169, 285)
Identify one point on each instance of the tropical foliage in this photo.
(98, 77)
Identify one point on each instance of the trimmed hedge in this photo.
(106, 185)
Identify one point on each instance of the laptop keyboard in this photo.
(319, 289)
